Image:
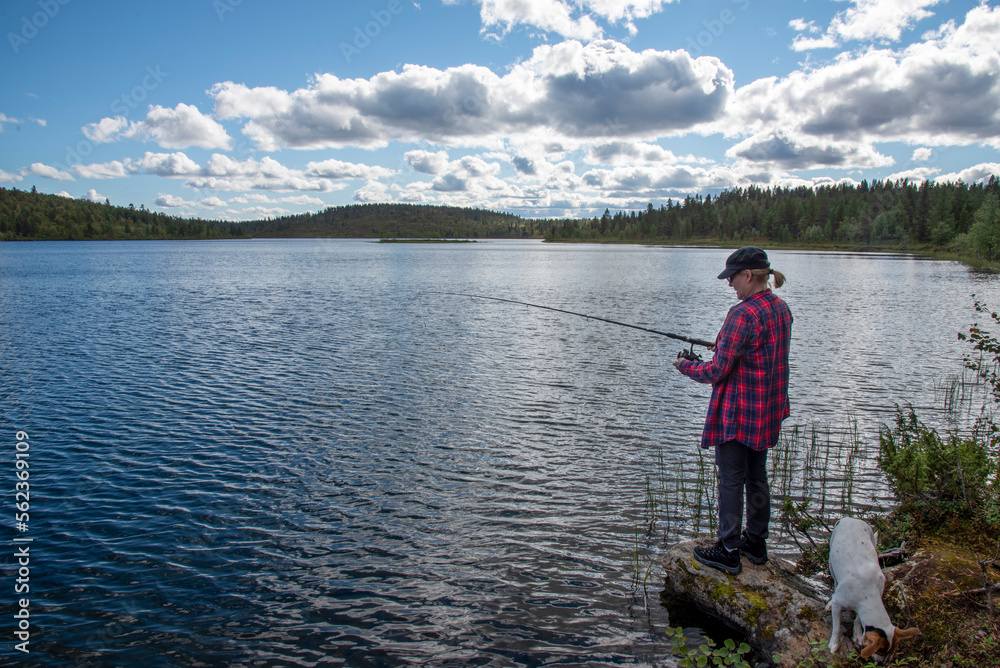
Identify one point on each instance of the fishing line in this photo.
(686, 339)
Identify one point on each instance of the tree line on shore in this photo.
(960, 217)
(955, 216)
(401, 221)
(30, 216)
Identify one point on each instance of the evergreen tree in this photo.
(985, 232)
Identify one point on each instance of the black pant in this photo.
(742, 475)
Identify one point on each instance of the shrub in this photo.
(933, 475)
(954, 476)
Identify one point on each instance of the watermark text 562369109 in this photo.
(22, 553)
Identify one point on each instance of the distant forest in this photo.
(883, 214)
(402, 221)
(947, 216)
(34, 216)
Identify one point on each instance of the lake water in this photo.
(298, 453)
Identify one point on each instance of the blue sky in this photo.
(243, 109)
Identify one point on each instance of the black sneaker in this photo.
(719, 557)
(754, 550)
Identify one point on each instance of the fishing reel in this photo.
(689, 355)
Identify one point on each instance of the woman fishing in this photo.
(749, 377)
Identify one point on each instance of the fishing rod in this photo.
(691, 355)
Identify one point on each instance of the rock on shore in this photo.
(780, 613)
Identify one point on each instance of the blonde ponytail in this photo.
(779, 278)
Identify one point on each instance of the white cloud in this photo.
(922, 155)
(865, 20)
(303, 200)
(7, 119)
(7, 176)
(63, 193)
(427, 162)
(261, 182)
(605, 91)
(801, 25)
(804, 152)
(549, 15)
(234, 100)
(181, 127)
(624, 10)
(791, 181)
(653, 181)
(470, 173)
(915, 174)
(880, 19)
(627, 153)
(106, 130)
(223, 165)
(450, 183)
(642, 173)
(39, 169)
(574, 20)
(265, 212)
(251, 197)
(222, 172)
(567, 92)
(94, 196)
(107, 170)
(212, 202)
(804, 43)
(336, 169)
(474, 167)
(373, 191)
(168, 164)
(976, 174)
(169, 201)
(941, 91)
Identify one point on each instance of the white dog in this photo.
(858, 583)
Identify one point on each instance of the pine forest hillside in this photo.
(34, 216)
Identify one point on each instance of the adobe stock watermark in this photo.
(22, 547)
(223, 7)
(130, 100)
(714, 29)
(30, 26)
(363, 36)
(121, 106)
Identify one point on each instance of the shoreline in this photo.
(974, 263)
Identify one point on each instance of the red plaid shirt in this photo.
(749, 374)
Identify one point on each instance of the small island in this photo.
(427, 240)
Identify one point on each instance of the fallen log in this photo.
(781, 614)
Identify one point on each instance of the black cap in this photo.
(748, 257)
